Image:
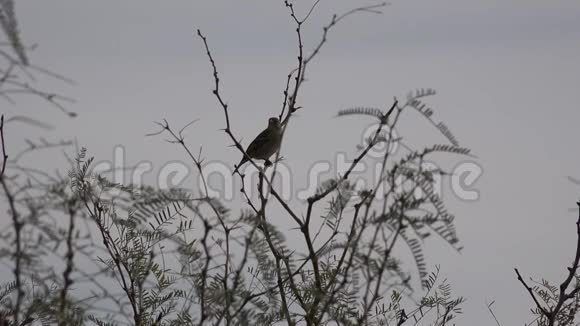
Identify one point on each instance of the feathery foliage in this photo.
(92, 251)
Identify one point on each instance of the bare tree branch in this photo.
(552, 313)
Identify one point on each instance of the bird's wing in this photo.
(263, 138)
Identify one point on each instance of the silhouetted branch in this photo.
(4, 156)
(216, 92)
(69, 258)
(337, 18)
(14, 55)
(43, 144)
(552, 313)
(531, 292)
(492, 313)
(17, 224)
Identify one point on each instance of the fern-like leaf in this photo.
(374, 112)
(10, 26)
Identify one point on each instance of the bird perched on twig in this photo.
(265, 145)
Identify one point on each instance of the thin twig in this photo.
(18, 225)
(492, 313)
(4, 155)
(552, 314)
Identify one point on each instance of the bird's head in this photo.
(274, 123)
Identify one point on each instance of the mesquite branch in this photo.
(565, 293)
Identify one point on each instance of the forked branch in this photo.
(551, 314)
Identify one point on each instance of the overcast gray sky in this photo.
(507, 75)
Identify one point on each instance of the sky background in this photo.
(507, 75)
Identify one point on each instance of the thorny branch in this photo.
(290, 99)
(17, 224)
(219, 275)
(4, 155)
(552, 313)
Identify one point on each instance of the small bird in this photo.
(265, 145)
